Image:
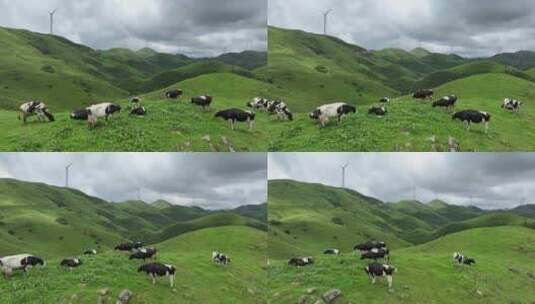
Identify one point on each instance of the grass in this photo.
(198, 280)
(425, 273)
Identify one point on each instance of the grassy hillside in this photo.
(197, 280)
(426, 273)
(307, 218)
(169, 125)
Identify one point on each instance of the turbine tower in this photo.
(344, 174)
(67, 168)
(325, 19)
(52, 13)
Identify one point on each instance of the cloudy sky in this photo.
(193, 27)
(490, 181)
(210, 180)
(470, 28)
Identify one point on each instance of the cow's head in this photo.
(315, 114)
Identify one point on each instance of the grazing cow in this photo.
(220, 258)
(512, 105)
(174, 94)
(446, 102)
(90, 252)
(379, 111)
(472, 116)
(143, 254)
(101, 110)
(301, 261)
(332, 251)
(375, 270)
(71, 263)
(135, 100)
(32, 108)
(365, 247)
(423, 94)
(80, 114)
(155, 270)
(20, 261)
(258, 103)
(280, 108)
(376, 253)
(384, 100)
(139, 111)
(202, 101)
(237, 115)
(461, 259)
(129, 246)
(338, 110)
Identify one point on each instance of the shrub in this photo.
(48, 69)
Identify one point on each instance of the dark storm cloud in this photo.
(192, 27)
(485, 180)
(216, 181)
(470, 28)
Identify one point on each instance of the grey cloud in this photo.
(470, 28)
(193, 27)
(215, 181)
(490, 181)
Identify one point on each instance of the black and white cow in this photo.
(473, 116)
(328, 111)
(37, 108)
(139, 111)
(220, 258)
(202, 101)
(423, 94)
(301, 261)
(26, 261)
(378, 111)
(280, 108)
(375, 270)
(376, 253)
(129, 246)
(512, 105)
(384, 100)
(101, 110)
(71, 263)
(236, 115)
(331, 251)
(446, 102)
(144, 253)
(80, 114)
(258, 103)
(90, 252)
(365, 247)
(174, 94)
(155, 270)
(135, 100)
(461, 259)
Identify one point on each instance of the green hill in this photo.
(306, 218)
(425, 274)
(169, 125)
(198, 280)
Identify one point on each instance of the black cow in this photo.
(143, 254)
(379, 111)
(139, 111)
(423, 94)
(237, 115)
(375, 270)
(376, 253)
(174, 94)
(90, 252)
(365, 247)
(155, 270)
(202, 101)
(446, 102)
(301, 261)
(129, 246)
(71, 263)
(473, 116)
(332, 251)
(384, 100)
